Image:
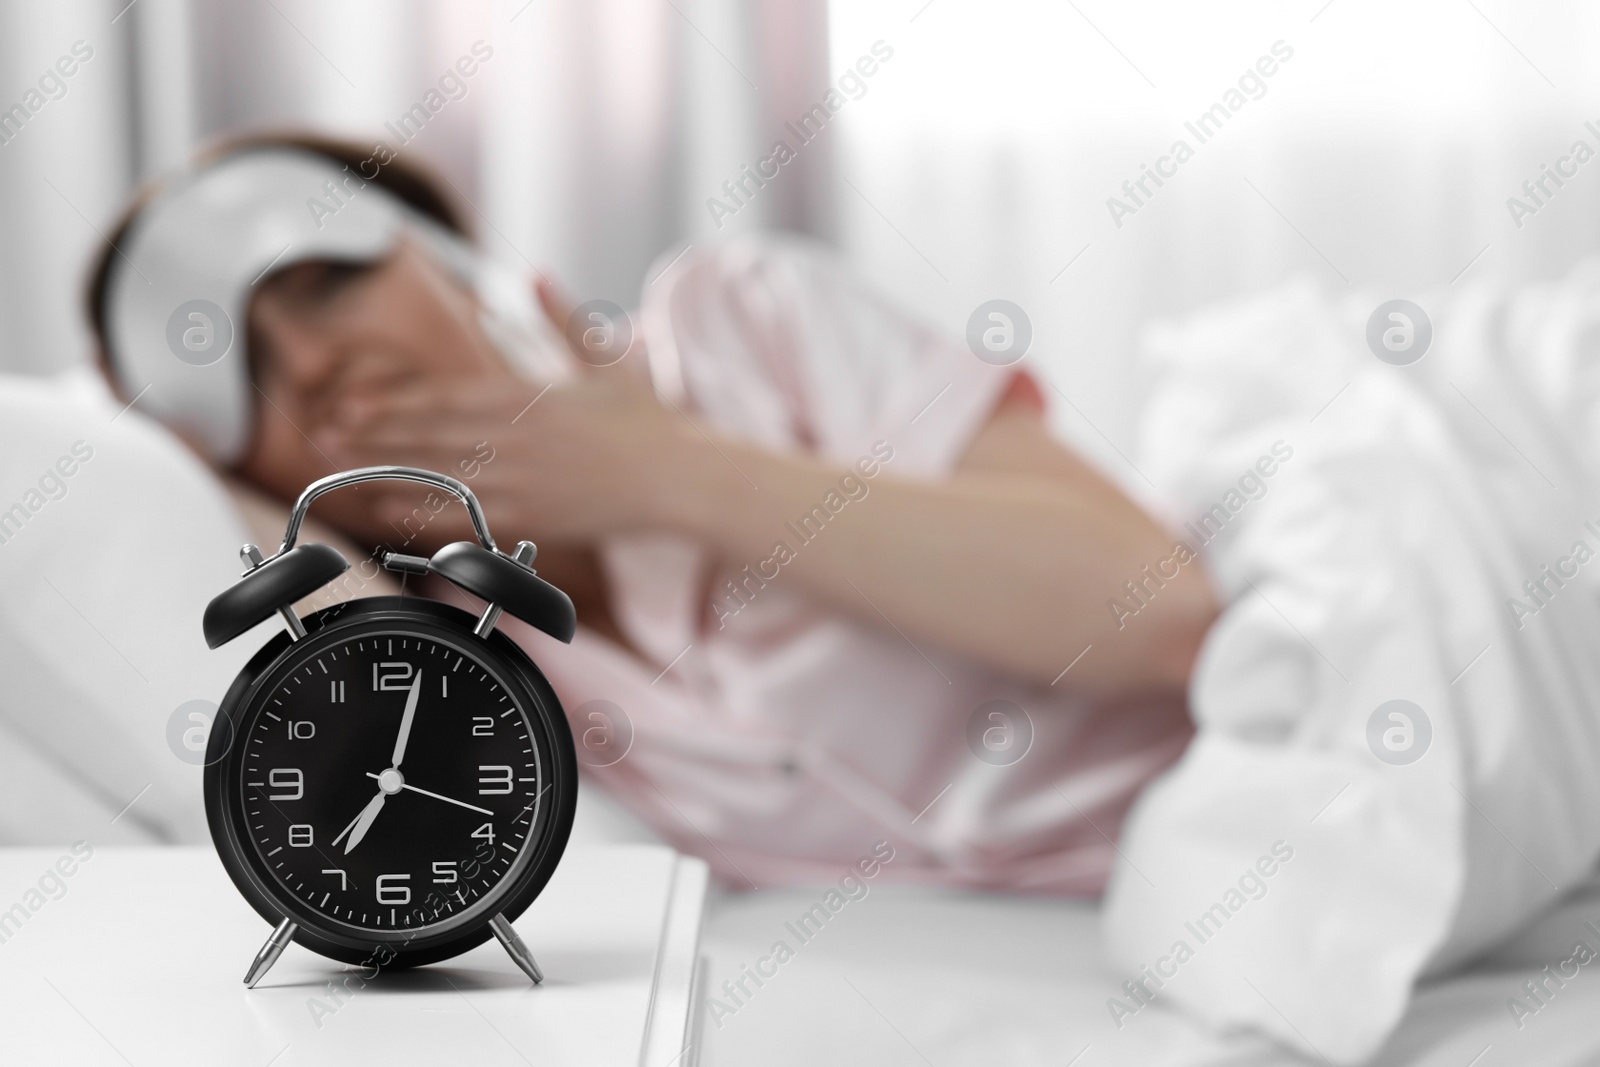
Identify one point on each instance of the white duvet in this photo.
(1282, 876)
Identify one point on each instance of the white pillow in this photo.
(113, 538)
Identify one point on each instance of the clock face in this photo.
(390, 780)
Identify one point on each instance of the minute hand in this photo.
(405, 721)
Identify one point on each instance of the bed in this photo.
(106, 571)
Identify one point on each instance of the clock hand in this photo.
(363, 822)
(350, 827)
(437, 796)
(406, 720)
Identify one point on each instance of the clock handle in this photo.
(270, 952)
(480, 525)
(515, 948)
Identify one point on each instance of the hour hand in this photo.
(362, 823)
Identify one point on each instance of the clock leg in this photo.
(515, 948)
(270, 952)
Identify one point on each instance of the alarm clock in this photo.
(390, 780)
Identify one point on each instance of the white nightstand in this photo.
(139, 961)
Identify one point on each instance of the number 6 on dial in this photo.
(388, 893)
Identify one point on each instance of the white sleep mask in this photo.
(179, 291)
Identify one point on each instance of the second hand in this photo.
(437, 796)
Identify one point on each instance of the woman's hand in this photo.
(564, 462)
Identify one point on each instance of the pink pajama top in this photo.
(777, 739)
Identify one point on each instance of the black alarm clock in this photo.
(391, 780)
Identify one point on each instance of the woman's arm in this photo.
(1010, 562)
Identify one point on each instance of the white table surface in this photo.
(140, 960)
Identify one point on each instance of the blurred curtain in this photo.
(66, 161)
(1377, 160)
(587, 144)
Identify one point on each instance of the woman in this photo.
(802, 677)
